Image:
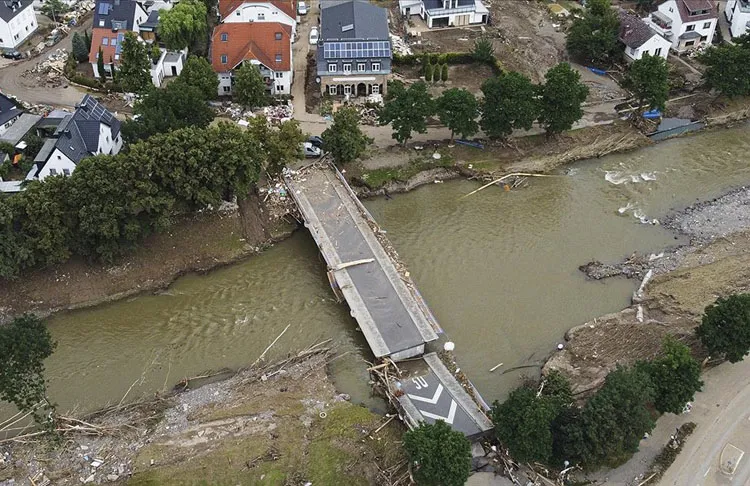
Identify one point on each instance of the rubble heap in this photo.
(50, 71)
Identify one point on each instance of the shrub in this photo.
(725, 329)
(483, 51)
(444, 73)
(429, 72)
(441, 455)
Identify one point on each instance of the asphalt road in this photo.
(12, 81)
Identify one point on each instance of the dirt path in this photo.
(26, 89)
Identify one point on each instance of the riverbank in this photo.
(680, 282)
(282, 423)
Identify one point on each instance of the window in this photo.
(261, 16)
(689, 43)
(690, 28)
(53, 171)
(278, 75)
(224, 59)
(671, 9)
(105, 41)
(278, 57)
(107, 138)
(113, 41)
(657, 52)
(278, 35)
(101, 23)
(332, 68)
(59, 158)
(238, 12)
(347, 89)
(347, 68)
(704, 38)
(375, 89)
(224, 37)
(707, 25)
(376, 66)
(66, 172)
(331, 90)
(117, 57)
(279, 88)
(361, 66)
(226, 89)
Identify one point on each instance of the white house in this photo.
(90, 130)
(687, 24)
(17, 22)
(446, 13)
(267, 45)
(737, 13)
(639, 38)
(170, 63)
(9, 113)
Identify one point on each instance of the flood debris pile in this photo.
(50, 71)
(275, 114)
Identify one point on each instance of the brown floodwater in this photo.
(498, 269)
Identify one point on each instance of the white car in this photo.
(302, 8)
(313, 36)
(311, 150)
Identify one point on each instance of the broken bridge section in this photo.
(393, 318)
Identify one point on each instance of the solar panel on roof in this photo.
(104, 8)
(350, 50)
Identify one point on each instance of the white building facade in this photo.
(737, 13)
(17, 22)
(687, 24)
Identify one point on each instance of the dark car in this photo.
(12, 55)
(316, 141)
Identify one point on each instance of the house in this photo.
(268, 45)
(17, 22)
(243, 11)
(90, 130)
(737, 13)
(687, 24)
(354, 50)
(9, 113)
(446, 13)
(639, 38)
(112, 20)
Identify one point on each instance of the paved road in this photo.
(13, 83)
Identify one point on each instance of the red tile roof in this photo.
(97, 36)
(256, 40)
(226, 7)
(685, 6)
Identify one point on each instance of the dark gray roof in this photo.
(152, 22)
(11, 8)
(634, 32)
(438, 4)
(46, 151)
(78, 134)
(172, 56)
(8, 109)
(122, 12)
(353, 20)
(20, 128)
(690, 35)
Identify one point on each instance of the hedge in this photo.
(443, 58)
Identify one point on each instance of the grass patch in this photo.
(377, 178)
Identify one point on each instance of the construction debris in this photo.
(50, 71)
(400, 46)
(275, 114)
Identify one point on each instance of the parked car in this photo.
(316, 141)
(313, 36)
(311, 150)
(12, 54)
(302, 8)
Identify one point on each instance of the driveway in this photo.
(300, 49)
(26, 89)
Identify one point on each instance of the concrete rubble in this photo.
(275, 114)
(50, 71)
(400, 46)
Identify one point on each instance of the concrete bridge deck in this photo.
(391, 313)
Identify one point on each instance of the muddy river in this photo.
(498, 269)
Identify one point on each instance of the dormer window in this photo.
(224, 37)
(278, 35)
(278, 57)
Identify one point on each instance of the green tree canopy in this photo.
(523, 423)
(24, 345)
(176, 106)
(728, 68)
(725, 328)
(483, 50)
(183, 24)
(407, 109)
(509, 102)
(100, 64)
(135, 66)
(249, 88)
(675, 376)
(54, 9)
(441, 455)
(648, 79)
(278, 145)
(79, 50)
(458, 110)
(199, 73)
(594, 37)
(563, 95)
(344, 138)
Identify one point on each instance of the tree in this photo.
(648, 79)
(615, 419)
(280, 145)
(675, 376)
(444, 73)
(54, 9)
(182, 25)
(727, 68)
(725, 328)
(483, 50)
(24, 345)
(15, 253)
(441, 455)
(458, 110)
(249, 88)
(646, 5)
(135, 66)
(87, 39)
(100, 64)
(523, 424)
(509, 103)
(344, 139)
(429, 72)
(171, 108)
(80, 52)
(199, 73)
(562, 97)
(406, 109)
(34, 144)
(594, 37)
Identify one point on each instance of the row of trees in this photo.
(511, 101)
